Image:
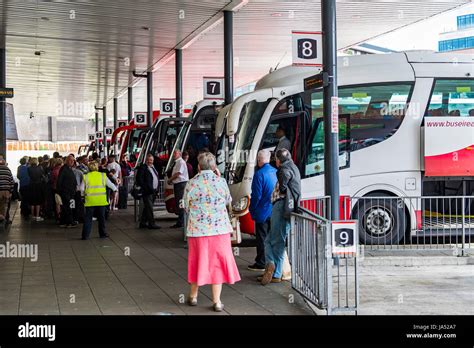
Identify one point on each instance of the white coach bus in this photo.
(396, 135)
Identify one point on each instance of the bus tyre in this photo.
(381, 221)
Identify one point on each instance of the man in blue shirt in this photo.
(260, 209)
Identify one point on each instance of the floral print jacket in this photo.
(205, 199)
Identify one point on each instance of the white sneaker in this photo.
(94, 219)
(39, 218)
(34, 218)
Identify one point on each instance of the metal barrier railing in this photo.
(429, 222)
(406, 223)
(327, 281)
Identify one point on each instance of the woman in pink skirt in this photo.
(210, 257)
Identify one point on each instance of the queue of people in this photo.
(55, 188)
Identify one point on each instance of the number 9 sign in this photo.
(344, 238)
(307, 48)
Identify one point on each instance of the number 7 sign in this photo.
(307, 48)
(213, 87)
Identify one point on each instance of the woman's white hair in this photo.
(207, 161)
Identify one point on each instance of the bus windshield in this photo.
(178, 145)
(250, 117)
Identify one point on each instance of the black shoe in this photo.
(84, 238)
(256, 268)
(143, 226)
(105, 236)
(177, 226)
(71, 225)
(154, 227)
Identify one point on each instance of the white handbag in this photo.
(236, 236)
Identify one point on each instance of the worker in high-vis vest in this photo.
(94, 186)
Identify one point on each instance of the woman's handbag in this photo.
(235, 236)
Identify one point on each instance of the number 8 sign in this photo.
(307, 48)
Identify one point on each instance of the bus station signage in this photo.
(213, 88)
(140, 118)
(307, 48)
(168, 107)
(6, 93)
(344, 238)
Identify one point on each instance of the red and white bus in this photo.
(404, 131)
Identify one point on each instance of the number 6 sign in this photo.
(168, 107)
(213, 87)
(307, 48)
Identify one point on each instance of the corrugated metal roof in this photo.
(89, 47)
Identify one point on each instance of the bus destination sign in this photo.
(316, 81)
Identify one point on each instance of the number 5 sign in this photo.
(213, 88)
(307, 48)
(344, 238)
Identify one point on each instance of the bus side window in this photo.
(453, 98)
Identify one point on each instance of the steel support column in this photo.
(179, 81)
(3, 104)
(115, 113)
(104, 124)
(228, 57)
(149, 95)
(96, 129)
(331, 137)
(149, 98)
(130, 104)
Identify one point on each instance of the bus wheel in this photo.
(381, 221)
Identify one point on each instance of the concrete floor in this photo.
(134, 272)
(144, 272)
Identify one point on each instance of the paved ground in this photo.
(133, 272)
(417, 290)
(144, 272)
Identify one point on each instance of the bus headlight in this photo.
(241, 205)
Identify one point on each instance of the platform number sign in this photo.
(307, 48)
(140, 118)
(109, 131)
(168, 107)
(91, 137)
(99, 135)
(122, 123)
(344, 238)
(213, 87)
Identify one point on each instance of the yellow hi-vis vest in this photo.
(95, 189)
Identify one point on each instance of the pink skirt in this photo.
(211, 261)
